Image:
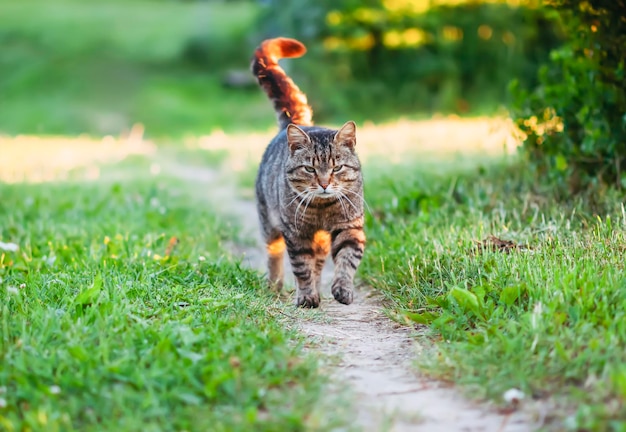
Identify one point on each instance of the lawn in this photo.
(544, 313)
(123, 310)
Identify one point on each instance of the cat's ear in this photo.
(297, 138)
(346, 135)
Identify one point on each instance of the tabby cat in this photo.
(309, 187)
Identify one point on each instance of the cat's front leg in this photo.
(302, 258)
(347, 249)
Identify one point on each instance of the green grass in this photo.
(145, 30)
(549, 320)
(103, 330)
(72, 67)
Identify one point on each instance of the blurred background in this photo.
(180, 67)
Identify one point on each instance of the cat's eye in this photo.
(309, 169)
(338, 168)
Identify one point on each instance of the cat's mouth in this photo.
(325, 194)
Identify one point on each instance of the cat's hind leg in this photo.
(347, 249)
(275, 246)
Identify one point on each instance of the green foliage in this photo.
(390, 57)
(575, 119)
(72, 67)
(547, 318)
(105, 327)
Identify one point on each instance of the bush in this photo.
(398, 56)
(575, 119)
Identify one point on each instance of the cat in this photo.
(309, 187)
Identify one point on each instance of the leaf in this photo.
(465, 299)
(480, 291)
(165, 345)
(421, 318)
(441, 301)
(561, 163)
(476, 338)
(78, 352)
(510, 294)
(91, 294)
(560, 350)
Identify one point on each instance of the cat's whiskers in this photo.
(360, 196)
(298, 195)
(344, 210)
(306, 206)
(306, 194)
(308, 198)
(344, 196)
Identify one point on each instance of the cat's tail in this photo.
(290, 103)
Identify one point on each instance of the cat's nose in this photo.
(324, 185)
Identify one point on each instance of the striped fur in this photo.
(290, 103)
(309, 188)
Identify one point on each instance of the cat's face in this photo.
(323, 164)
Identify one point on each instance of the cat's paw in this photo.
(342, 291)
(308, 300)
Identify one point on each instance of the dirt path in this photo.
(374, 353)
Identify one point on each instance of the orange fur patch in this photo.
(321, 242)
(360, 236)
(281, 48)
(276, 247)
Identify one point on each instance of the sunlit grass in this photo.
(444, 141)
(122, 308)
(33, 159)
(546, 318)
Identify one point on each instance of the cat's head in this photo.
(323, 162)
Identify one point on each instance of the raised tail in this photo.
(290, 103)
